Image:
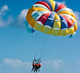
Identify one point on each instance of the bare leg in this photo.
(36, 70)
(32, 69)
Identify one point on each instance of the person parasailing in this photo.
(36, 65)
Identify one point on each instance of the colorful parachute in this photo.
(53, 18)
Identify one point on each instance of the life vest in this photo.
(33, 64)
(39, 65)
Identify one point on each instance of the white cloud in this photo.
(10, 21)
(16, 63)
(20, 19)
(3, 9)
(55, 64)
(23, 13)
(63, 2)
(77, 14)
(4, 23)
(78, 64)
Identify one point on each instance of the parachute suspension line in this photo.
(45, 45)
(54, 48)
(46, 39)
(32, 42)
(35, 43)
(41, 43)
(31, 38)
(52, 43)
(59, 43)
(51, 47)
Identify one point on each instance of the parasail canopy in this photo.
(51, 17)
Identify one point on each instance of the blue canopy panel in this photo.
(49, 3)
(64, 24)
(50, 20)
(29, 28)
(56, 5)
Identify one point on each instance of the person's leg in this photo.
(32, 70)
(36, 70)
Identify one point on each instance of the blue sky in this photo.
(17, 45)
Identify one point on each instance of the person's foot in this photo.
(34, 70)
